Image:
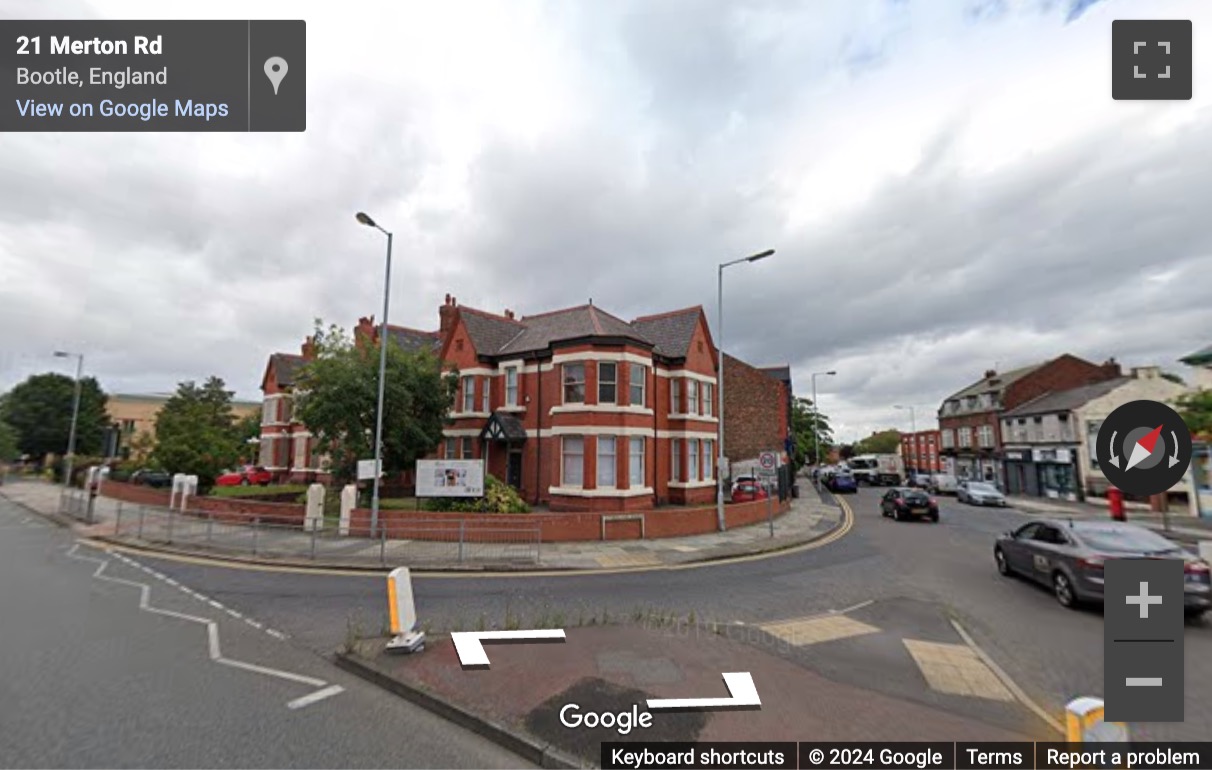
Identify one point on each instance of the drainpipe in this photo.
(656, 463)
(538, 434)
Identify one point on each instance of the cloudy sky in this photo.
(948, 184)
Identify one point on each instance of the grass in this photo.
(253, 490)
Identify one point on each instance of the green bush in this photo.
(498, 497)
(272, 490)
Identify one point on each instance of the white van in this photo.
(943, 483)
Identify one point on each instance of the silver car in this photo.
(980, 493)
(1068, 556)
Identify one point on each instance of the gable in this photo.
(459, 349)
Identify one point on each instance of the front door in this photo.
(513, 469)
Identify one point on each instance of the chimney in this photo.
(447, 315)
(309, 348)
(1112, 368)
(990, 374)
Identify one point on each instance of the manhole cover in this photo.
(601, 697)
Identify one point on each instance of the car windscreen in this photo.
(913, 495)
(984, 489)
(1126, 541)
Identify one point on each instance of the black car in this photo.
(150, 478)
(907, 503)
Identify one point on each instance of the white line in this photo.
(316, 696)
(216, 605)
(200, 597)
(235, 614)
(471, 652)
(1010, 684)
(158, 575)
(253, 623)
(171, 582)
(854, 607)
(1143, 681)
(276, 634)
(272, 672)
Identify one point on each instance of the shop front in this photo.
(1049, 472)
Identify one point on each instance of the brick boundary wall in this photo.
(561, 527)
(227, 510)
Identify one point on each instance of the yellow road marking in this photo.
(823, 628)
(832, 537)
(957, 670)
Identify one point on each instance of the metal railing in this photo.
(416, 541)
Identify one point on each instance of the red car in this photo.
(246, 476)
(747, 492)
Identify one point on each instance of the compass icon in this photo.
(1144, 448)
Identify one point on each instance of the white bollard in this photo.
(188, 488)
(403, 613)
(178, 486)
(313, 517)
(349, 499)
(1084, 723)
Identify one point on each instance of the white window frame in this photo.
(708, 459)
(948, 438)
(642, 371)
(469, 393)
(613, 382)
(451, 450)
(632, 457)
(965, 437)
(675, 395)
(468, 448)
(564, 382)
(608, 461)
(511, 386)
(486, 396)
(675, 465)
(692, 397)
(692, 460)
(708, 398)
(565, 455)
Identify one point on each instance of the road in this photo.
(918, 576)
(92, 678)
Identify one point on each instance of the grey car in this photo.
(980, 493)
(1068, 557)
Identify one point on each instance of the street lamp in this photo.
(71, 437)
(913, 428)
(374, 500)
(719, 322)
(816, 417)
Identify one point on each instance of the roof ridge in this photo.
(553, 312)
(597, 323)
(494, 316)
(668, 313)
(397, 327)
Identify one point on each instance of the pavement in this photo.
(809, 520)
(1179, 525)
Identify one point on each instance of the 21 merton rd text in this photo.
(107, 108)
(97, 76)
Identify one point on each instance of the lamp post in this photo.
(917, 458)
(374, 500)
(71, 436)
(816, 418)
(719, 322)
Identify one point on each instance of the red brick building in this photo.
(576, 408)
(970, 433)
(920, 451)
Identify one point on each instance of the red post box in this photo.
(1115, 502)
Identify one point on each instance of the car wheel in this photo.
(896, 514)
(243, 482)
(1062, 587)
(934, 518)
(1003, 566)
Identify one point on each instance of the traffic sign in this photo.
(768, 463)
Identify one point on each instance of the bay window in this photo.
(692, 459)
(608, 373)
(675, 450)
(607, 462)
(511, 386)
(469, 394)
(708, 399)
(635, 462)
(572, 461)
(574, 383)
(639, 378)
(692, 397)
(675, 395)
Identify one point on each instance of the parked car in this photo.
(748, 491)
(919, 480)
(841, 482)
(1069, 556)
(980, 493)
(943, 483)
(903, 503)
(246, 476)
(151, 478)
(744, 478)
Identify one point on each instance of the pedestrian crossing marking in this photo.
(957, 670)
(824, 628)
(628, 560)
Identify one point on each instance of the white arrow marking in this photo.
(471, 651)
(1174, 459)
(1114, 460)
(741, 688)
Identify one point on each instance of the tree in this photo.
(196, 432)
(337, 399)
(40, 411)
(879, 443)
(247, 429)
(9, 450)
(1196, 410)
(804, 429)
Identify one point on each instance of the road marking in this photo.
(956, 669)
(814, 630)
(215, 604)
(275, 634)
(378, 574)
(235, 614)
(316, 696)
(253, 623)
(1009, 683)
(212, 634)
(470, 649)
(171, 582)
(628, 560)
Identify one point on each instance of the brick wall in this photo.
(134, 493)
(564, 527)
(224, 509)
(755, 410)
(1062, 373)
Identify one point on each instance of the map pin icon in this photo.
(275, 70)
